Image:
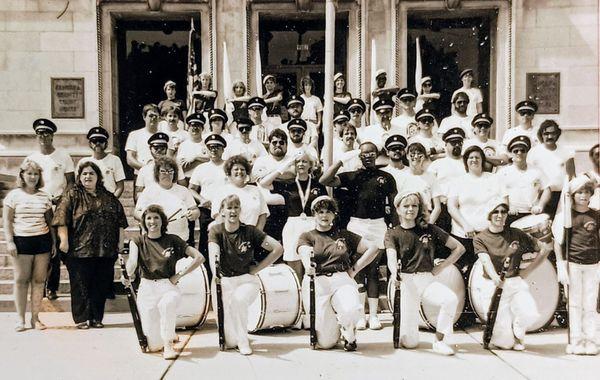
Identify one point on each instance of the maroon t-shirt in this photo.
(584, 247)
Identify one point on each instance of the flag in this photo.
(563, 222)
(258, 71)
(418, 68)
(373, 65)
(226, 74)
(192, 67)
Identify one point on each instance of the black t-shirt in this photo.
(416, 247)
(370, 189)
(498, 246)
(289, 190)
(332, 249)
(240, 109)
(238, 249)
(337, 107)
(585, 247)
(273, 109)
(157, 257)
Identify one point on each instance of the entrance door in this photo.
(149, 53)
(448, 46)
(292, 46)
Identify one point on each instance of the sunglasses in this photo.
(355, 110)
(519, 150)
(278, 142)
(526, 113)
(368, 155)
(500, 211)
(426, 120)
(166, 171)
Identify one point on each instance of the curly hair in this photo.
(545, 125)
(467, 153)
(163, 217)
(26, 165)
(165, 162)
(237, 160)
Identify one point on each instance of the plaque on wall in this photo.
(68, 99)
(544, 89)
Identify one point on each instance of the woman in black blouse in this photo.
(90, 222)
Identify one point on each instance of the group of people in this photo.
(428, 193)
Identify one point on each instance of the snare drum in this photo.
(195, 295)
(538, 226)
(543, 285)
(279, 304)
(452, 278)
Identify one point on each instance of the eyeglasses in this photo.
(97, 141)
(44, 134)
(519, 150)
(426, 121)
(416, 155)
(278, 142)
(368, 155)
(214, 146)
(525, 113)
(166, 171)
(195, 126)
(152, 115)
(500, 211)
(355, 110)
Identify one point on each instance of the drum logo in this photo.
(168, 252)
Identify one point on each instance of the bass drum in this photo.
(195, 295)
(279, 303)
(452, 278)
(543, 285)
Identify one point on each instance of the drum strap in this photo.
(304, 194)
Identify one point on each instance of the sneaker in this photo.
(244, 348)
(38, 325)
(579, 348)
(518, 347)
(442, 348)
(20, 327)
(591, 348)
(97, 324)
(374, 323)
(350, 346)
(169, 352)
(83, 326)
(52, 295)
(361, 324)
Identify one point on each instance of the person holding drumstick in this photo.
(157, 252)
(416, 242)
(336, 292)
(517, 309)
(236, 245)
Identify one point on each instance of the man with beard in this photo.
(379, 132)
(373, 191)
(459, 118)
(395, 146)
(297, 130)
(446, 170)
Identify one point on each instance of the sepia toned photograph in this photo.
(300, 189)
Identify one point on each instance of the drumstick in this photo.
(172, 217)
(313, 329)
(396, 335)
(219, 291)
(493, 311)
(135, 314)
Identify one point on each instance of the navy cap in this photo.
(383, 104)
(159, 138)
(44, 125)
(341, 116)
(482, 118)
(465, 72)
(195, 118)
(256, 101)
(244, 123)
(356, 103)
(215, 139)
(520, 140)
(526, 105)
(295, 99)
(395, 140)
(423, 113)
(406, 93)
(217, 113)
(97, 133)
(296, 123)
(454, 133)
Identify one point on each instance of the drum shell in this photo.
(279, 303)
(192, 309)
(543, 286)
(452, 278)
(538, 226)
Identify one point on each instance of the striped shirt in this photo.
(29, 212)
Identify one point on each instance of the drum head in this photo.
(526, 223)
(542, 283)
(192, 310)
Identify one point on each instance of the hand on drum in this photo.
(535, 210)
(514, 211)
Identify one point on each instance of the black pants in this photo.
(368, 278)
(204, 221)
(90, 280)
(552, 204)
(53, 279)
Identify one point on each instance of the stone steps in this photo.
(63, 304)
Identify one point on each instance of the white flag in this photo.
(258, 71)
(418, 68)
(227, 90)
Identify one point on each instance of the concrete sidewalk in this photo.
(63, 352)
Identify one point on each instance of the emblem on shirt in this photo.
(315, 191)
(590, 226)
(244, 247)
(341, 246)
(412, 129)
(425, 239)
(381, 180)
(168, 252)
(489, 151)
(514, 245)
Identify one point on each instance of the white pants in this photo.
(335, 294)
(414, 288)
(157, 304)
(239, 293)
(294, 227)
(372, 230)
(583, 296)
(516, 312)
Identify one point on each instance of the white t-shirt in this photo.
(146, 175)
(251, 151)
(29, 212)
(428, 142)
(338, 153)
(54, 167)
(312, 105)
(252, 201)
(111, 168)
(456, 121)
(266, 165)
(522, 186)
(475, 97)
(519, 131)
(400, 176)
(188, 150)
(401, 123)
(490, 147)
(309, 149)
(175, 202)
(137, 142)
(446, 170)
(210, 177)
(552, 163)
(377, 135)
(473, 194)
(424, 184)
(595, 199)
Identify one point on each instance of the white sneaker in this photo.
(518, 347)
(579, 348)
(169, 352)
(361, 324)
(442, 348)
(244, 348)
(591, 348)
(374, 323)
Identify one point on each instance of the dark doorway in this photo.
(448, 46)
(149, 53)
(293, 46)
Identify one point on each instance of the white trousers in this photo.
(583, 296)
(414, 288)
(516, 312)
(336, 305)
(239, 293)
(372, 230)
(293, 228)
(157, 304)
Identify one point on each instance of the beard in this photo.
(456, 151)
